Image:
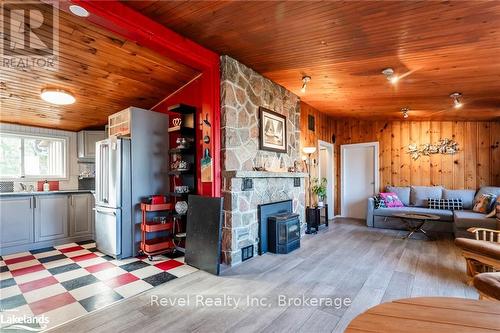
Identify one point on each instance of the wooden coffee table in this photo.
(429, 314)
(415, 222)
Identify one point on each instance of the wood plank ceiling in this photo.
(106, 73)
(439, 48)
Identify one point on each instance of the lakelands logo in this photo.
(30, 35)
(22, 323)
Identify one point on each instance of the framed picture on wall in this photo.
(272, 131)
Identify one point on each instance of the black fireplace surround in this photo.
(284, 236)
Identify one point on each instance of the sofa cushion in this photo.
(420, 194)
(445, 215)
(488, 284)
(487, 189)
(465, 219)
(467, 196)
(489, 249)
(403, 193)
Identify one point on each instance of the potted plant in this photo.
(319, 188)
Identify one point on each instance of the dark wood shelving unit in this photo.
(187, 130)
(182, 151)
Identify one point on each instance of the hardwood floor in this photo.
(348, 260)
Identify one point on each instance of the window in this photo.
(32, 157)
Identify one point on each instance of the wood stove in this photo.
(283, 233)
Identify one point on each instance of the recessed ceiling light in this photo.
(457, 100)
(57, 96)
(305, 81)
(79, 11)
(390, 76)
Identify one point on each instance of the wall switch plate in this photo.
(296, 182)
(247, 184)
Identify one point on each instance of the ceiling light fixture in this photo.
(457, 100)
(305, 81)
(79, 11)
(405, 112)
(57, 96)
(390, 76)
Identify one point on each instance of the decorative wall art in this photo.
(272, 131)
(443, 146)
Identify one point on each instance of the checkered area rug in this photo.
(68, 281)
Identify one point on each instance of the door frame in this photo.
(330, 167)
(343, 149)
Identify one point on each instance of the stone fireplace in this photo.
(243, 91)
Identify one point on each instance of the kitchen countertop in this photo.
(5, 194)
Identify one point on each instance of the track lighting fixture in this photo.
(457, 100)
(390, 76)
(405, 112)
(305, 81)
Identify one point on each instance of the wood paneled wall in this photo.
(476, 164)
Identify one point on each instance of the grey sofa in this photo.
(415, 200)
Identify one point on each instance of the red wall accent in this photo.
(191, 95)
(123, 20)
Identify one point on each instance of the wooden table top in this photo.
(417, 216)
(429, 314)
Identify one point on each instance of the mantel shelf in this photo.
(263, 174)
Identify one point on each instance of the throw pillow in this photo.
(484, 203)
(498, 207)
(391, 200)
(449, 204)
(379, 202)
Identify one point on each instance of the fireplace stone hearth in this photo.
(241, 225)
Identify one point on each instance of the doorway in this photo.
(359, 177)
(326, 170)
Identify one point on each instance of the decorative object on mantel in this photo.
(443, 146)
(273, 133)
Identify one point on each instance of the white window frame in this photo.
(32, 178)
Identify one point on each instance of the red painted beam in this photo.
(125, 21)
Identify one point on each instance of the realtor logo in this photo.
(30, 34)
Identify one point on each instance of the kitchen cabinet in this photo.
(16, 227)
(86, 143)
(35, 220)
(51, 217)
(80, 214)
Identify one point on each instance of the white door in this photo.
(359, 177)
(325, 159)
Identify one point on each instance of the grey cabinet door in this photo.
(86, 143)
(80, 221)
(16, 221)
(51, 217)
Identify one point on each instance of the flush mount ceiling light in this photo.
(405, 112)
(305, 81)
(78, 11)
(57, 96)
(457, 100)
(390, 76)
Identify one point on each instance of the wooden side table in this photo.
(313, 218)
(429, 314)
